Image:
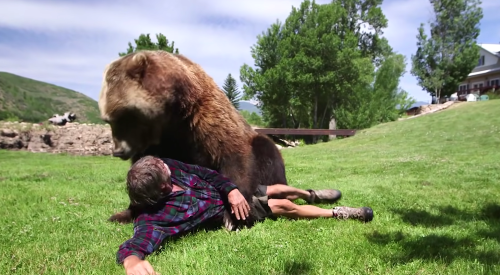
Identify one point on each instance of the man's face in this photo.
(166, 186)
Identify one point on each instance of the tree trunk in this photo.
(284, 119)
(315, 117)
(324, 138)
(324, 114)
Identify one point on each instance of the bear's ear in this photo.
(137, 65)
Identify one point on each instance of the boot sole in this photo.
(317, 200)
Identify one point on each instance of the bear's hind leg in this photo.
(268, 165)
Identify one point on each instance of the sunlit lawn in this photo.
(432, 181)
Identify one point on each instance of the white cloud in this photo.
(81, 38)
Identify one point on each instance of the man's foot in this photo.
(364, 214)
(324, 196)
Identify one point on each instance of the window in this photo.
(477, 86)
(494, 82)
(463, 87)
(481, 61)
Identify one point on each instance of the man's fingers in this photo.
(247, 210)
(235, 211)
(149, 268)
(144, 271)
(243, 212)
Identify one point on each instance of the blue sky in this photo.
(68, 43)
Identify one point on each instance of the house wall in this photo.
(490, 61)
(483, 80)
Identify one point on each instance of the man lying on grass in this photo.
(181, 197)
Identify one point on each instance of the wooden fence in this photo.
(305, 132)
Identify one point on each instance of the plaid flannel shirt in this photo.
(184, 210)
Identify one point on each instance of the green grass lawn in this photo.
(432, 181)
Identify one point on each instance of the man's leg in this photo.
(281, 191)
(286, 208)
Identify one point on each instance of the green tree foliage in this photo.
(317, 62)
(373, 104)
(144, 43)
(231, 90)
(253, 118)
(448, 55)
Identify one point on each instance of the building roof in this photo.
(492, 48)
(484, 71)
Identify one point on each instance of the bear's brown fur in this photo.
(163, 104)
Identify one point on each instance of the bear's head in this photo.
(136, 93)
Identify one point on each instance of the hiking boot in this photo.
(324, 196)
(364, 214)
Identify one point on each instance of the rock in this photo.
(74, 138)
(8, 133)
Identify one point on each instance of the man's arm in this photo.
(145, 241)
(221, 183)
(239, 206)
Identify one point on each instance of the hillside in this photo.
(247, 106)
(432, 182)
(35, 101)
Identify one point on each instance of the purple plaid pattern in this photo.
(184, 210)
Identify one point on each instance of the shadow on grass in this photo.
(296, 268)
(448, 215)
(445, 247)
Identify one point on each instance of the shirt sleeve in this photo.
(147, 238)
(221, 183)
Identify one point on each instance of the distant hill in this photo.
(35, 101)
(419, 103)
(247, 106)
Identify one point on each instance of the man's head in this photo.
(148, 180)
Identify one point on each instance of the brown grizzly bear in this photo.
(163, 104)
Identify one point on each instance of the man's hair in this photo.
(144, 180)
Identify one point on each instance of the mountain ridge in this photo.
(36, 101)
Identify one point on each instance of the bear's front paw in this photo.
(123, 217)
(227, 220)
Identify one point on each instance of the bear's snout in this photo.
(122, 149)
(120, 154)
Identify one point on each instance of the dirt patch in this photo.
(432, 108)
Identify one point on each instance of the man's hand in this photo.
(135, 266)
(239, 205)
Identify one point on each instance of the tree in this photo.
(311, 64)
(266, 82)
(448, 55)
(380, 102)
(144, 43)
(252, 118)
(231, 90)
